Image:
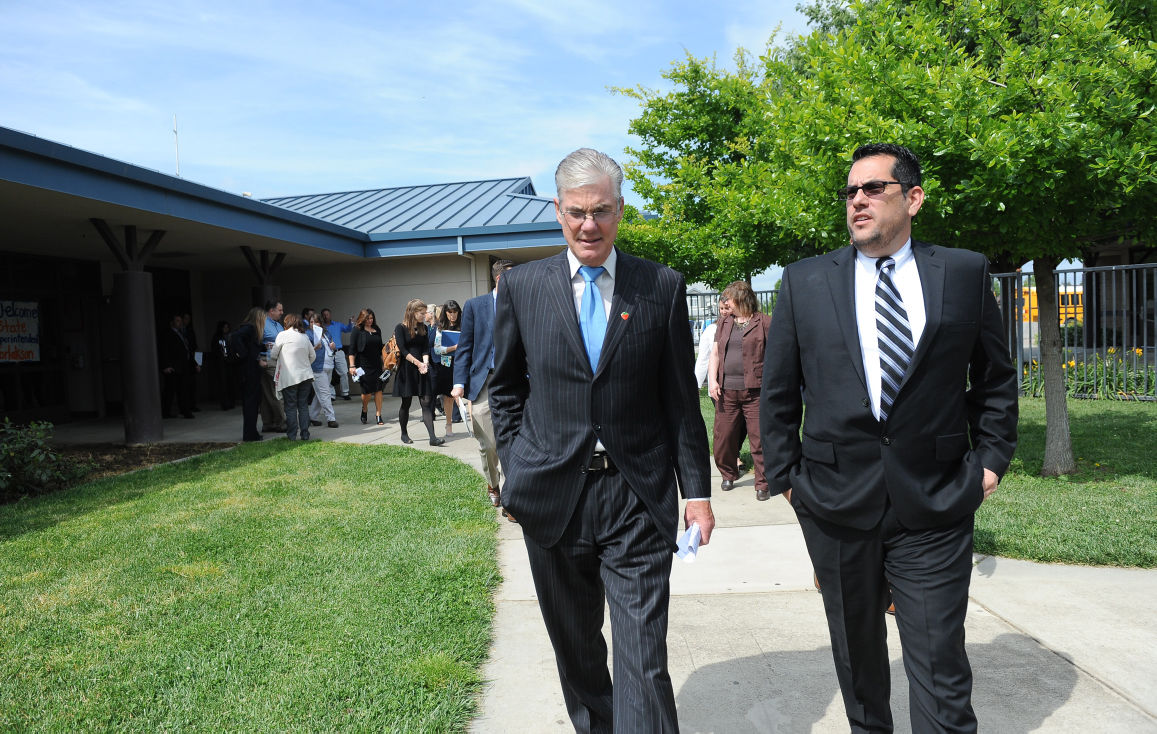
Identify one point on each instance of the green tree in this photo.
(1035, 120)
(694, 140)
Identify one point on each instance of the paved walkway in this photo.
(1053, 648)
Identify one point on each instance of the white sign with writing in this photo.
(19, 331)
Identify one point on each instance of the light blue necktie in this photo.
(592, 315)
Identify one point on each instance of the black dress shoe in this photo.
(332, 424)
(315, 423)
(763, 495)
(345, 397)
(727, 485)
(407, 439)
(437, 441)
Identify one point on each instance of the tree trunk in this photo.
(1058, 439)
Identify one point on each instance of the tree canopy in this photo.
(1035, 121)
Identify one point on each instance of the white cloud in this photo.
(293, 97)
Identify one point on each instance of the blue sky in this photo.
(279, 98)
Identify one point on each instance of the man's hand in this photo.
(700, 511)
(456, 393)
(990, 482)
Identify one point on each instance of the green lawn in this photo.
(1106, 514)
(273, 587)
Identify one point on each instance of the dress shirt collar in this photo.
(610, 264)
(901, 256)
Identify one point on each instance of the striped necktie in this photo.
(894, 333)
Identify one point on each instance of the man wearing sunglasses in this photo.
(896, 349)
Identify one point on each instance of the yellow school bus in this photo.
(1070, 304)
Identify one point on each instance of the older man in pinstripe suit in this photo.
(597, 421)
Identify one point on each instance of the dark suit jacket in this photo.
(642, 402)
(955, 414)
(174, 352)
(475, 345)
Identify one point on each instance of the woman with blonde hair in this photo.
(413, 376)
(245, 344)
(734, 378)
(294, 354)
(366, 354)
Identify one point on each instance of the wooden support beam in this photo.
(126, 253)
(261, 266)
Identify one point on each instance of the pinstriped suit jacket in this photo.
(548, 408)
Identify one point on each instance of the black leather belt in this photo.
(601, 461)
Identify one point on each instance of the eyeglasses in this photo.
(871, 188)
(578, 217)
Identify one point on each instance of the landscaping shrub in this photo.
(28, 465)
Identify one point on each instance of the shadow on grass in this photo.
(36, 513)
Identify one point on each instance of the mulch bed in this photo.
(110, 459)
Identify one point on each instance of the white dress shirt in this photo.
(906, 278)
(605, 282)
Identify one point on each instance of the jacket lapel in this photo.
(931, 271)
(842, 284)
(560, 299)
(621, 302)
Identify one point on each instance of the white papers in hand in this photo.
(464, 409)
(688, 543)
(358, 372)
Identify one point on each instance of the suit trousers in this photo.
(736, 416)
(272, 411)
(610, 553)
(928, 572)
(484, 433)
(342, 368)
(321, 408)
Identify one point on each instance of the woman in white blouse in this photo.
(294, 378)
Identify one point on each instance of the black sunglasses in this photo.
(871, 188)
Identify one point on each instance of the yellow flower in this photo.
(1072, 363)
(1112, 350)
(1139, 351)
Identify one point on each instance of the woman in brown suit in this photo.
(734, 377)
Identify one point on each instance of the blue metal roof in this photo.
(436, 210)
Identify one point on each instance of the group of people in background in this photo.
(289, 368)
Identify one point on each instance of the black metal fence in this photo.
(1107, 317)
(1108, 322)
(703, 308)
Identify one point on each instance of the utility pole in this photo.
(177, 145)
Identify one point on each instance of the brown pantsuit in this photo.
(736, 415)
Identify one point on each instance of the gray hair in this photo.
(586, 166)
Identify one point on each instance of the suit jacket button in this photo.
(598, 428)
(866, 403)
(886, 441)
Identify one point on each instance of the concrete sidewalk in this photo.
(1053, 648)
